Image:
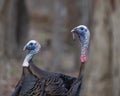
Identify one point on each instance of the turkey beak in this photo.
(24, 48)
(73, 34)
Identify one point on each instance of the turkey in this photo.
(37, 82)
(28, 82)
(83, 34)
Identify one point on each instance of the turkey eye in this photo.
(82, 28)
(31, 43)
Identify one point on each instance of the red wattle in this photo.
(83, 59)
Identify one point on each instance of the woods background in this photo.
(50, 22)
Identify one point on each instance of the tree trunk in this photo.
(116, 46)
(86, 12)
(15, 27)
(57, 38)
(98, 75)
(1, 39)
(1, 31)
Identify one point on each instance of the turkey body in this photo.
(53, 78)
(72, 84)
(37, 82)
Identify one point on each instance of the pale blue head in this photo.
(84, 36)
(32, 46)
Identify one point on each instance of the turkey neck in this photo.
(27, 60)
(81, 71)
(25, 65)
(84, 41)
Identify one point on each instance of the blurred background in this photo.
(50, 23)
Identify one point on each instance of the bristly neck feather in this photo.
(27, 60)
